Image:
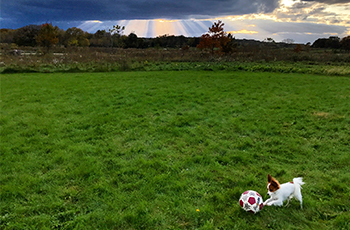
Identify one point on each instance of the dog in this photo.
(280, 192)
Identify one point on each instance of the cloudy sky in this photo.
(302, 21)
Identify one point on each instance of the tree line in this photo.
(333, 42)
(215, 39)
(47, 35)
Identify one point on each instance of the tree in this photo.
(269, 40)
(48, 36)
(116, 32)
(76, 37)
(25, 36)
(320, 43)
(345, 43)
(288, 41)
(101, 39)
(298, 48)
(216, 39)
(6, 36)
(84, 42)
(228, 44)
(331, 42)
(131, 41)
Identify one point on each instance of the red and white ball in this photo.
(251, 201)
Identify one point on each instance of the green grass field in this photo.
(172, 149)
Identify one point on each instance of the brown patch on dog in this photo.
(274, 184)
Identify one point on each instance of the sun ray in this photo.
(163, 27)
(287, 21)
(139, 27)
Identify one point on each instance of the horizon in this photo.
(301, 21)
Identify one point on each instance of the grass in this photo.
(250, 58)
(145, 150)
(334, 69)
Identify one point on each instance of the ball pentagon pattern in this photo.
(251, 201)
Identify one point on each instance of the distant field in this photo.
(145, 150)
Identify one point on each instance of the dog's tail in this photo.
(298, 182)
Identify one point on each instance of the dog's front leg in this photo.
(268, 201)
(275, 203)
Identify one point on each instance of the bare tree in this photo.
(288, 41)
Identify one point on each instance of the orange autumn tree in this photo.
(48, 36)
(217, 39)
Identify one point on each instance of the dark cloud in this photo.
(24, 12)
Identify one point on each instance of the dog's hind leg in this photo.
(299, 197)
(289, 198)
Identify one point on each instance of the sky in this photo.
(301, 21)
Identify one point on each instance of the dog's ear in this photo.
(274, 185)
(269, 178)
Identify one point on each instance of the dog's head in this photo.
(272, 184)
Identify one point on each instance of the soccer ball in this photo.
(251, 201)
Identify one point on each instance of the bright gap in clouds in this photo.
(302, 24)
(152, 28)
(287, 3)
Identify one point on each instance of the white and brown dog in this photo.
(281, 192)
